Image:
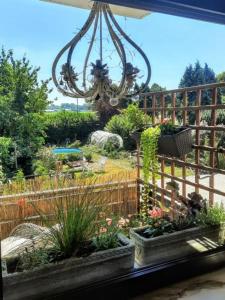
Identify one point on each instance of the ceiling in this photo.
(118, 10)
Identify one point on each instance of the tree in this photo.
(22, 100)
(198, 75)
(221, 78)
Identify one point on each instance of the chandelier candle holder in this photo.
(100, 87)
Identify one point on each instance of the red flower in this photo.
(21, 202)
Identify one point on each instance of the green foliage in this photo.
(75, 144)
(76, 221)
(33, 258)
(214, 215)
(130, 120)
(167, 128)
(197, 75)
(157, 227)
(19, 176)
(7, 157)
(149, 145)
(46, 162)
(67, 125)
(22, 99)
(65, 158)
(111, 149)
(88, 156)
(220, 117)
(107, 237)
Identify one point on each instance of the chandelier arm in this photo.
(64, 49)
(89, 49)
(119, 48)
(78, 37)
(136, 47)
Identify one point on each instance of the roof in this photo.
(205, 10)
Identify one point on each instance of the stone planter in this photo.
(70, 273)
(150, 251)
(177, 144)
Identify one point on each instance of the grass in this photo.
(119, 167)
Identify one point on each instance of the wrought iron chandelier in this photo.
(66, 77)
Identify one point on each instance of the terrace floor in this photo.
(219, 180)
(210, 286)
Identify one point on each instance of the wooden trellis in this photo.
(175, 104)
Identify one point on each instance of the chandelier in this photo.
(100, 86)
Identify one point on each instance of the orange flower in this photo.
(21, 202)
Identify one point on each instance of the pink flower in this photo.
(102, 230)
(165, 121)
(109, 221)
(155, 213)
(123, 222)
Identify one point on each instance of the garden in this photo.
(91, 197)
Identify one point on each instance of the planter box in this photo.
(150, 251)
(70, 273)
(177, 144)
(174, 145)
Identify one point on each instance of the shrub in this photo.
(75, 144)
(88, 156)
(214, 215)
(76, 219)
(131, 119)
(7, 157)
(67, 125)
(46, 162)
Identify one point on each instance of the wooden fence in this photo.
(119, 196)
(176, 105)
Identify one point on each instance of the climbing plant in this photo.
(149, 146)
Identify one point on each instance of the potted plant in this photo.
(79, 250)
(174, 140)
(164, 239)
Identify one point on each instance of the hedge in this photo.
(68, 125)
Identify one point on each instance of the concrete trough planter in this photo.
(70, 273)
(150, 251)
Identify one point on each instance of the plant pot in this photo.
(71, 273)
(136, 136)
(150, 251)
(177, 144)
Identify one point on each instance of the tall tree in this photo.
(198, 75)
(221, 78)
(22, 100)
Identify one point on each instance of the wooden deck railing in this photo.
(175, 104)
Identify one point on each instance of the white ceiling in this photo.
(118, 10)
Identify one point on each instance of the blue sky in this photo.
(39, 30)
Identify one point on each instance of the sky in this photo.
(40, 29)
